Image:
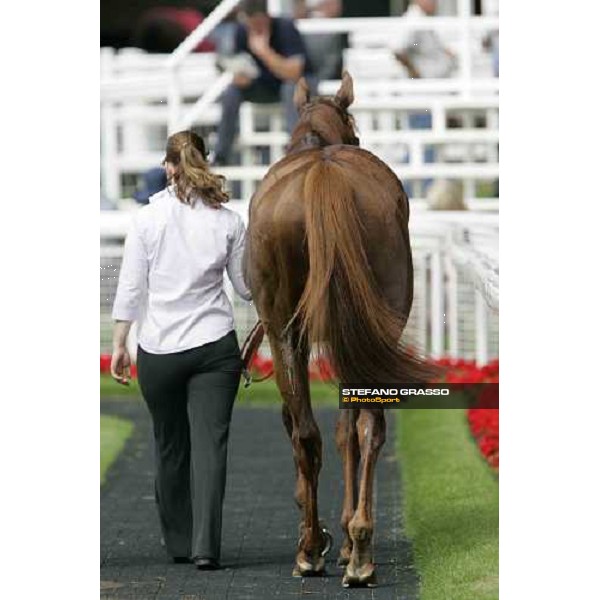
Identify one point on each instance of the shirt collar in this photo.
(168, 191)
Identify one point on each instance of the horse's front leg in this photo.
(291, 373)
(371, 437)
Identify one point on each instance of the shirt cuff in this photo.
(123, 313)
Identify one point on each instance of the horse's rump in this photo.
(337, 218)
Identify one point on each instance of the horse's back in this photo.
(376, 186)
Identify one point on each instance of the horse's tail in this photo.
(341, 304)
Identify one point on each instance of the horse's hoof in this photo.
(365, 577)
(305, 569)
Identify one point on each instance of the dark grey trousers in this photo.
(190, 395)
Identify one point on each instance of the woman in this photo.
(188, 359)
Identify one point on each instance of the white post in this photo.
(174, 101)
(451, 307)
(466, 70)
(421, 290)
(481, 332)
(437, 305)
(469, 183)
(110, 176)
(438, 117)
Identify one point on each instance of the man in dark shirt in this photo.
(279, 53)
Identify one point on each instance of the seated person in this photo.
(422, 52)
(153, 181)
(324, 49)
(424, 55)
(276, 47)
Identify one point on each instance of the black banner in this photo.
(430, 395)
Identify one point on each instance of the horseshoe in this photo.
(328, 540)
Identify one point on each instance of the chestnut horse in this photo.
(328, 260)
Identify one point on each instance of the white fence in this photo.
(455, 309)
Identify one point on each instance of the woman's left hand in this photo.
(120, 366)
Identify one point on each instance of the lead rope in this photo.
(249, 350)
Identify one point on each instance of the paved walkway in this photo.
(260, 520)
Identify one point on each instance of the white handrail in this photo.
(209, 97)
(201, 32)
(393, 24)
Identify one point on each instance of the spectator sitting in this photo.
(161, 29)
(446, 194)
(423, 55)
(277, 48)
(153, 181)
(422, 52)
(324, 49)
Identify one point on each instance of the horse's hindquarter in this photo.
(276, 232)
(383, 207)
(276, 239)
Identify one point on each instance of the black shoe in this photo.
(206, 564)
(180, 560)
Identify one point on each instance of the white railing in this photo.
(383, 128)
(465, 23)
(455, 308)
(131, 126)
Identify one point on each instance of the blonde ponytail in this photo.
(193, 178)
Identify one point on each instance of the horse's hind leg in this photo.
(300, 493)
(291, 373)
(371, 436)
(347, 444)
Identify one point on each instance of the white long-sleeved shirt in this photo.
(171, 279)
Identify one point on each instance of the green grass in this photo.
(450, 504)
(258, 394)
(113, 435)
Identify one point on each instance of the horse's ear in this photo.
(345, 95)
(301, 94)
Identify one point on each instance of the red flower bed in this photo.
(484, 422)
